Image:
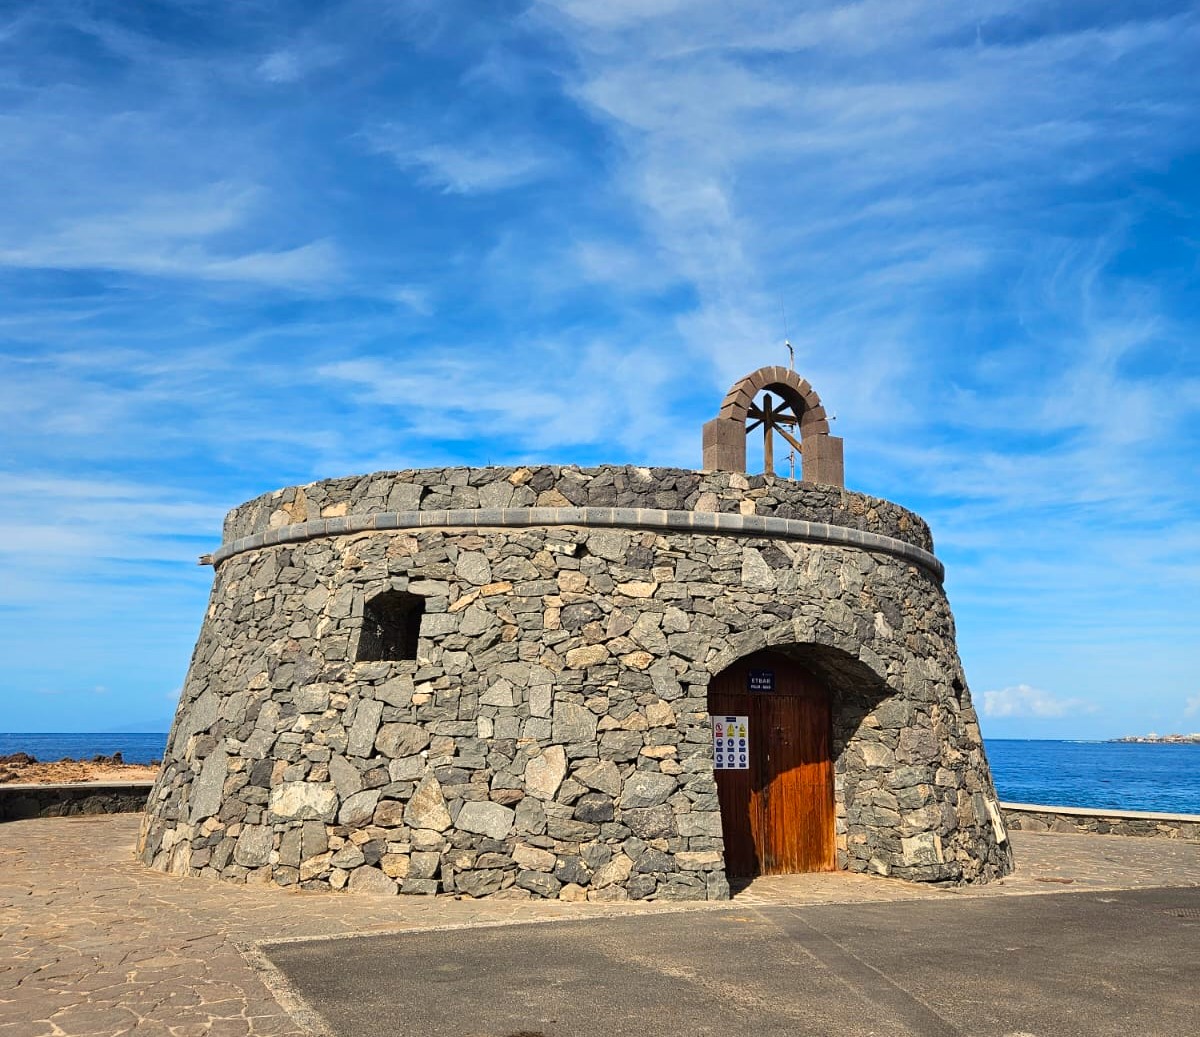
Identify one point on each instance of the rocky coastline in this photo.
(25, 769)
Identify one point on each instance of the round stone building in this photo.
(601, 683)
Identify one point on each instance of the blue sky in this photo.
(250, 244)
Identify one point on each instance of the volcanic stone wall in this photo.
(18, 802)
(552, 737)
(552, 486)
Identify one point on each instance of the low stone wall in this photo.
(1027, 817)
(20, 802)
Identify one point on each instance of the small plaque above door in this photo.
(759, 681)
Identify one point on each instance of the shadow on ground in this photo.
(1044, 966)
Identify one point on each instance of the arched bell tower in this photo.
(800, 409)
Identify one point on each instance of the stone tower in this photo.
(602, 683)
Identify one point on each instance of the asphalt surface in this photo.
(1088, 964)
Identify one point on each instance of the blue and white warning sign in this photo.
(731, 743)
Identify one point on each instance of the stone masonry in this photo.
(551, 737)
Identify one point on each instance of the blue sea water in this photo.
(1101, 775)
(138, 747)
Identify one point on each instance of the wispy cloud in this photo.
(901, 166)
(267, 245)
(293, 63)
(476, 166)
(66, 523)
(518, 400)
(1025, 701)
(174, 236)
(413, 297)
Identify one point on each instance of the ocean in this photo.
(46, 748)
(1102, 775)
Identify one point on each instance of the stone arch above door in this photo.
(816, 647)
(725, 436)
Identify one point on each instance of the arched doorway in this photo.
(776, 798)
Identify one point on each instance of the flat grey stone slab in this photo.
(1096, 964)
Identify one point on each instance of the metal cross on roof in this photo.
(773, 419)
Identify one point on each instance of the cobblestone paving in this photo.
(93, 943)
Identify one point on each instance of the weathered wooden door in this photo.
(777, 816)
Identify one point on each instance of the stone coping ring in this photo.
(649, 519)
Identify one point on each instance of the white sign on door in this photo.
(731, 743)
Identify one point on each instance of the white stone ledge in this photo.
(649, 519)
(1122, 815)
(94, 786)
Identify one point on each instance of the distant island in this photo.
(1153, 739)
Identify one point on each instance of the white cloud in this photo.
(619, 264)
(473, 166)
(291, 64)
(1025, 701)
(616, 14)
(281, 67)
(413, 297)
(1193, 706)
(548, 397)
(308, 266)
(67, 522)
(890, 168)
(172, 235)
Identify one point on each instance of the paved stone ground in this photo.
(92, 944)
(1093, 965)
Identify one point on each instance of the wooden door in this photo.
(777, 816)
